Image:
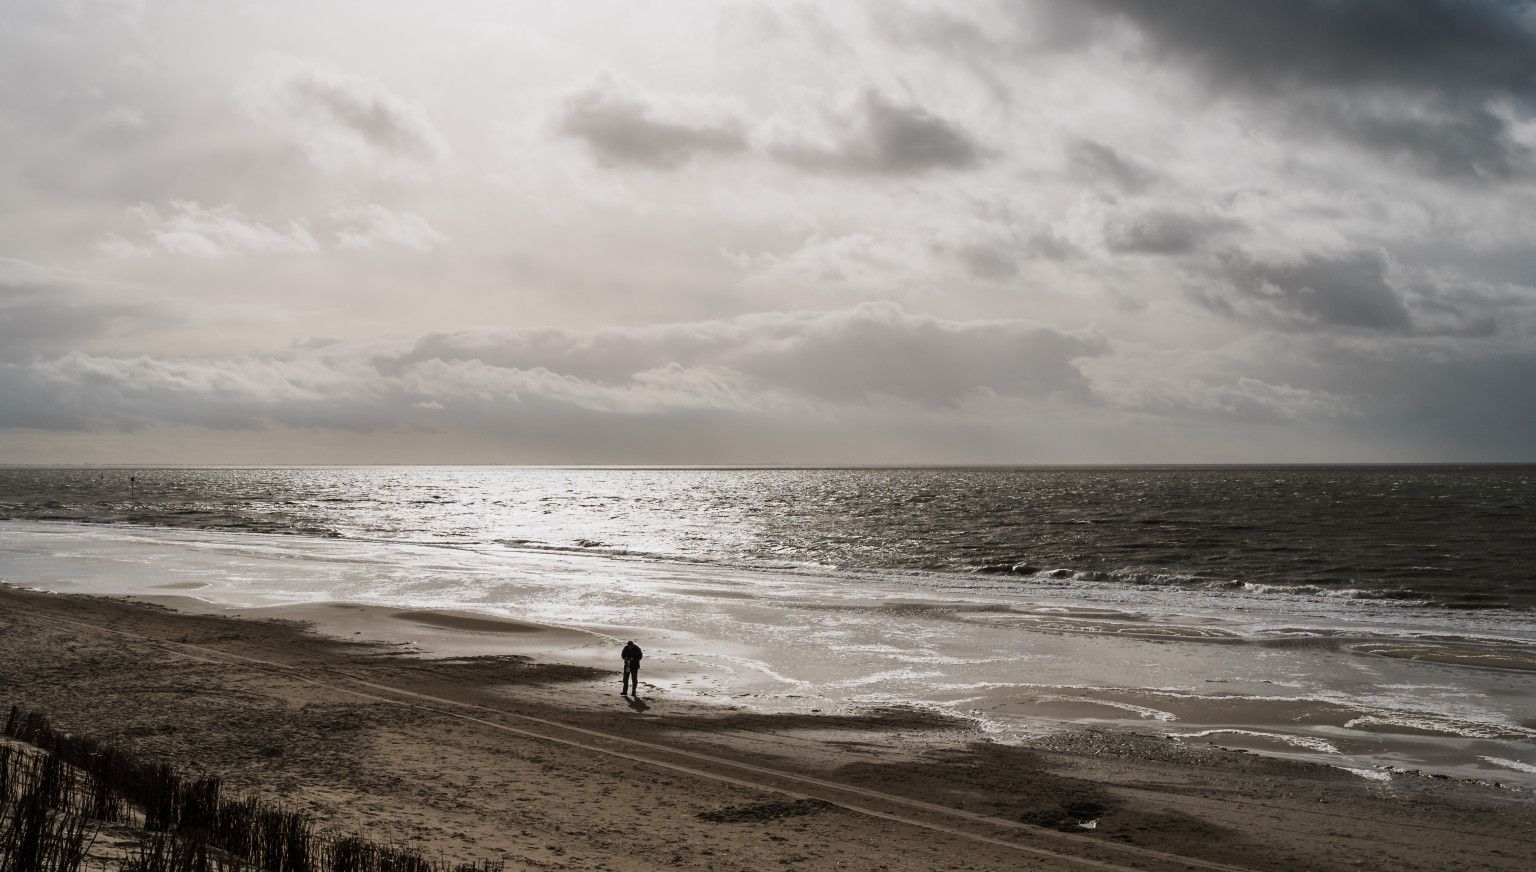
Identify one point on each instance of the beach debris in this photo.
(1081, 814)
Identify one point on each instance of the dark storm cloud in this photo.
(1460, 140)
(623, 128)
(1452, 399)
(883, 137)
(1413, 79)
(1348, 290)
(1466, 402)
(1464, 47)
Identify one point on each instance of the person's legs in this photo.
(629, 678)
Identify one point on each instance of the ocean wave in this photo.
(881, 677)
(185, 519)
(1348, 593)
(1428, 723)
(1144, 711)
(1516, 765)
(1370, 774)
(1196, 583)
(1310, 743)
(1206, 532)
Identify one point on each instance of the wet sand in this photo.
(1456, 654)
(523, 751)
(1365, 688)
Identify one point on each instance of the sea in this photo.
(1445, 537)
(1376, 619)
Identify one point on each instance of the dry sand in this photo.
(540, 763)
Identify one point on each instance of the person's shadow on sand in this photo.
(636, 703)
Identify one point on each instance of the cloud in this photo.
(1312, 214)
(1447, 303)
(346, 122)
(1464, 400)
(1420, 81)
(1453, 140)
(189, 228)
(1395, 396)
(1096, 162)
(1165, 231)
(755, 367)
(1000, 256)
(43, 310)
(858, 261)
(869, 351)
(373, 225)
(1469, 47)
(988, 261)
(1346, 290)
(1243, 397)
(130, 11)
(115, 124)
(879, 136)
(624, 127)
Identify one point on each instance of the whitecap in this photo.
(1433, 724)
(1311, 743)
(888, 675)
(1371, 774)
(1510, 764)
(1149, 713)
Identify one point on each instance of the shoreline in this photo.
(176, 686)
(1372, 692)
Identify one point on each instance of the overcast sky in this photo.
(879, 232)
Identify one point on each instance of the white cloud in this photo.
(858, 261)
(373, 225)
(1215, 394)
(346, 122)
(189, 228)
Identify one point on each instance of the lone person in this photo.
(631, 655)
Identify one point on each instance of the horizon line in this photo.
(783, 466)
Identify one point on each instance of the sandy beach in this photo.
(1375, 691)
(541, 764)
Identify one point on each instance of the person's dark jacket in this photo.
(632, 654)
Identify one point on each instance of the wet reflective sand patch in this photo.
(1455, 654)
